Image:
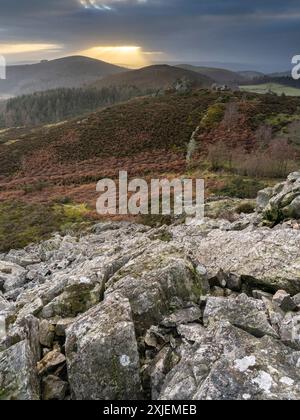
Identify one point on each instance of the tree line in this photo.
(60, 104)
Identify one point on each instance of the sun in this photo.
(125, 55)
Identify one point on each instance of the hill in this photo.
(218, 75)
(147, 136)
(65, 72)
(250, 74)
(238, 142)
(154, 77)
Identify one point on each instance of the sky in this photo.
(256, 34)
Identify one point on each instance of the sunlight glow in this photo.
(27, 48)
(126, 55)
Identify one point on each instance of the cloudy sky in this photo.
(261, 34)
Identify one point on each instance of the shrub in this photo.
(247, 207)
(240, 187)
(213, 116)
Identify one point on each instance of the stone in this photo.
(50, 362)
(11, 275)
(290, 330)
(284, 301)
(281, 202)
(296, 299)
(182, 316)
(259, 294)
(234, 282)
(103, 343)
(22, 258)
(18, 378)
(263, 198)
(253, 256)
(47, 332)
(54, 388)
(4, 304)
(160, 274)
(161, 365)
(191, 332)
(32, 308)
(243, 312)
(230, 364)
(62, 325)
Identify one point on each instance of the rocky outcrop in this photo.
(206, 311)
(281, 202)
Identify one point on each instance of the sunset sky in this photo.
(262, 35)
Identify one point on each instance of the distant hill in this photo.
(154, 77)
(65, 72)
(250, 75)
(218, 75)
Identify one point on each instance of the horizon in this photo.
(137, 33)
(235, 67)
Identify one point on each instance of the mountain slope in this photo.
(65, 72)
(154, 77)
(219, 75)
(250, 75)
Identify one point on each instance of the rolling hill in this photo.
(147, 136)
(154, 77)
(218, 75)
(65, 72)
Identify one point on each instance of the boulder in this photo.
(161, 277)
(182, 316)
(281, 202)
(243, 312)
(51, 361)
(12, 276)
(18, 378)
(47, 333)
(54, 388)
(102, 343)
(290, 330)
(263, 258)
(230, 364)
(284, 301)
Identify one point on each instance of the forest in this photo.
(60, 104)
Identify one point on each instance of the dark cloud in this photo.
(255, 32)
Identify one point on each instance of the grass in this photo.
(22, 224)
(271, 88)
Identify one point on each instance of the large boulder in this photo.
(161, 279)
(102, 353)
(262, 257)
(18, 377)
(242, 312)
(230, 364)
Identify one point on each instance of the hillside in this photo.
(65, 72)
(250, 74)
(218, 75)
(154, 77)
(148, 137)
(53, 106)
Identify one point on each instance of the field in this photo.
(271, 88)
